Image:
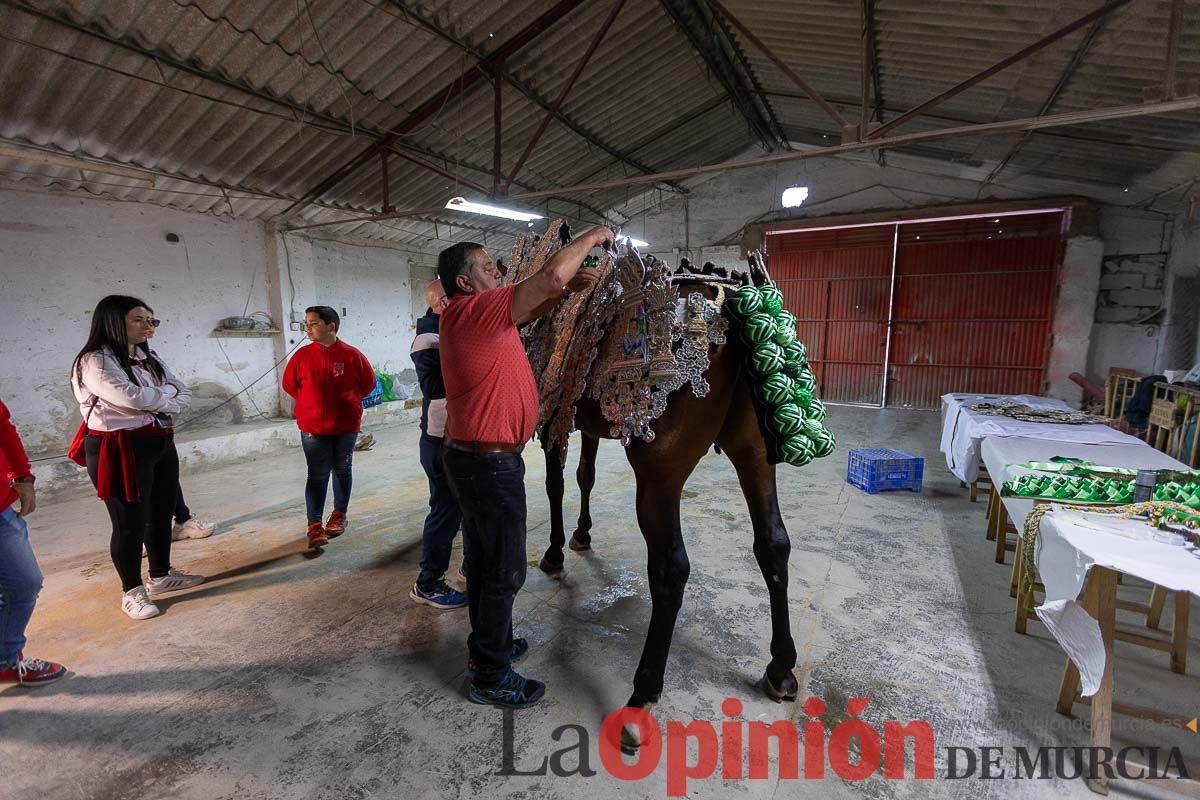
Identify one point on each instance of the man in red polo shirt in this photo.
(492, 409)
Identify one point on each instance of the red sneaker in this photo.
(336, 525)
(316, 536)
(32, 672)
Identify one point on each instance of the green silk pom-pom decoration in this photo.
(805, 380)
(784, 335)
(772, 299)
(813, 429)
(787, 420)
(767, 359)
(824, 444)
(744, 302)
(815, 410)
(759, 328)
(796, 450)
(787, 319)
(802, 397)
(776, 389)
(795, 353)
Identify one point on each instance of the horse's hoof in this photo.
(550, 567)
(783, 690)
(580, 544)
(629, 741)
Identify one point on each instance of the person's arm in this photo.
(429, 372)
(18, 462)
(103, 377)
(537, 295)
(291, 377)
(184, 394)
(366, 376)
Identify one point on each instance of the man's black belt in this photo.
(479, 448)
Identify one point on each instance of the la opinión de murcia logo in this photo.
(853, 750)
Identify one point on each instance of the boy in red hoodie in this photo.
(328, 379)
(20, 578)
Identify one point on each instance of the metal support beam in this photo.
(1173, 46)
(308, 115)
(434, 105)
(385, 183)
(1020, 55)
(1076, 58)
(497, 131)
(525, 89)
(32, 155)
(693, 20)
(983, 129)
(550, 112)
(778, 62)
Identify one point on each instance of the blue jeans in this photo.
(443, 520)
(327, 454)
(20, 582)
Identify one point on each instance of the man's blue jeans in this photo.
(443, 520)
(20, 582)
(327, 454)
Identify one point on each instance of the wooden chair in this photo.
(1174, 410)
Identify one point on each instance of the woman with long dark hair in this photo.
(127, 397)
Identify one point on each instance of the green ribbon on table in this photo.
(1078, 467)
(1103, 491)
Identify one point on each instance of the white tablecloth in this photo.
(1002, 454)
(1069, 543)
(963, 431)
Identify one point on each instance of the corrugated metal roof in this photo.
(243, 106)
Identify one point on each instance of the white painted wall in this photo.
(59, 254)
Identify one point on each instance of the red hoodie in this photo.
(329, 384)
(13, 461)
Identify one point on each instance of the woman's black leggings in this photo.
(149, 521)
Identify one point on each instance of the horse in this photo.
(724, 418)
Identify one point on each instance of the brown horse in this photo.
(725, 417)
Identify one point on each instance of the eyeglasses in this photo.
(156, 322)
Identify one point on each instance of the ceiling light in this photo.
(632, 241)
(794, 196)
(461, 204)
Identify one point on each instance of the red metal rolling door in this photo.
(837, 283)
(974, 306)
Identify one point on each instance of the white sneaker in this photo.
(173, 581)
(194, 528)
(137, 605)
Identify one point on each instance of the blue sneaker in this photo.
(441, 596)
(520, 648)
(512, 691)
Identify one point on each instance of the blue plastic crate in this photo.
(884, 470)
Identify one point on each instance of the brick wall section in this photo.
(1131, 287)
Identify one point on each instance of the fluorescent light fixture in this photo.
(462, 204)
(794, 195)
(635, 242)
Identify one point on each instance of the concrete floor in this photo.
(293, 676)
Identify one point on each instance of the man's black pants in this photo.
(490, 488)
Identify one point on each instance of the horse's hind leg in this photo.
(586, 476)
(552, 560)
(743, 443)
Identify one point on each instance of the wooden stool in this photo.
(1174, 644)
(1100, 600)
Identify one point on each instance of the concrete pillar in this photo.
(1075, 306)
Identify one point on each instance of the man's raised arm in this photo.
(538, 294)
